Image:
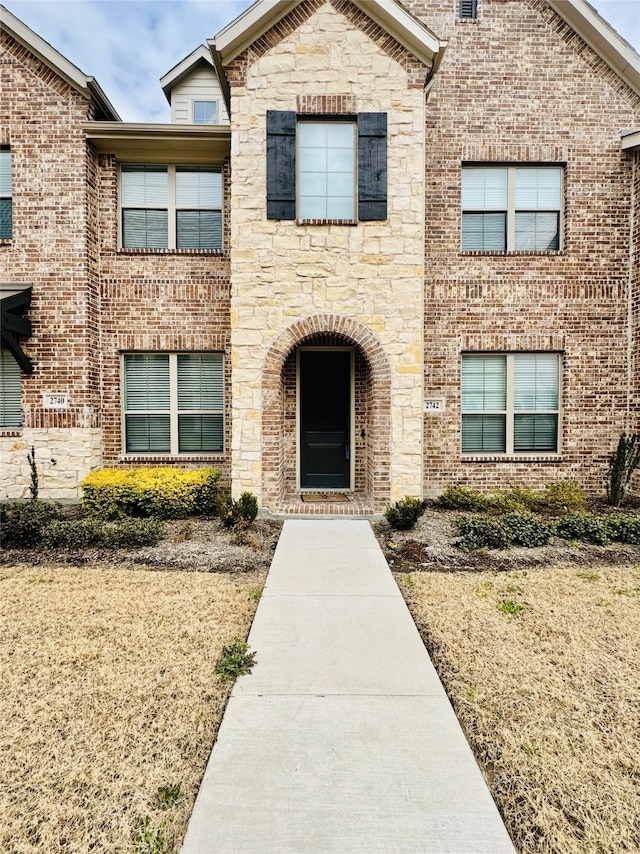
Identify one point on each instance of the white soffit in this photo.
(257, 19)
(614, 50)
(630, 140)
(87, 86)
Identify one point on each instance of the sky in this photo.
(128, 45)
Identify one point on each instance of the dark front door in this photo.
(325, 419)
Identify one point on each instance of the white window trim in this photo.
(511, 210)
(510, 411)
(173, 411)
(192, 111)
(171, 207)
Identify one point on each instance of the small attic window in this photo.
(468, 9)
(205, 112)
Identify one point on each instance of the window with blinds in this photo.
(6, 201)
(10, 410)
(510, 403)
(508, 208)
(173, 403)
(171, 207)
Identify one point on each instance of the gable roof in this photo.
(87, 86)
(198, 56)
(389, 14)
(602, 38)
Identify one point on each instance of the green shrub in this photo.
(235, 659)
(562, 496)
(624, 528)
(478, 532)
(163, 493)
(22, 524)
(404, 514)
(132, 533)
(586, 527)
(462, 498)
(517, 499)
(72, 534)
(245, 509)
(525, 529)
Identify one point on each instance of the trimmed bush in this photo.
(586, 527)
(132, 533)
(562, 496)
(478, 532)
(462, 498)
(162, 493)
(22, 524)
(525, 529)
(245, 509)
(72, 534)
(624, 528)
(517, 499)
(404, 514)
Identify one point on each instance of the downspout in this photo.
(630, 336)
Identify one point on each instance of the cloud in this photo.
(128, 45)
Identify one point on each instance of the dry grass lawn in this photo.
(109, 703)
(548, 696)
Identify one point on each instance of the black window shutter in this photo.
(281, 164)
(372, 166)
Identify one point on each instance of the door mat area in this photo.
(332, 497)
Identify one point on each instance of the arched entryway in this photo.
(300, 355)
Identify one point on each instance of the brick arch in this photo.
(331, 330)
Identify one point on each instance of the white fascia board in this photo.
(605, 41)
(87, 86)
(250, 25)
(407, 30)
(257, 19)
(630, 140)
(138, 142)
(182, 69)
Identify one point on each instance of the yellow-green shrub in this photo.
(164, 493)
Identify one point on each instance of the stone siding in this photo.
(325, 277)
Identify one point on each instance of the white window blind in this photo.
(174, 403)
(6, 202)
(169, 207)
(10, 410)
(205, 112)
(507, 208)
(510, 403)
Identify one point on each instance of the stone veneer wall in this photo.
(327, 278)
(52, 249)
(518, 86)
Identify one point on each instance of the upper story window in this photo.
(6, 204)
(205, 112)
(506, 208)
(171, 207)
(173, 403)
(326, 169)
(468, 9)
(510, 403)
(10, 411)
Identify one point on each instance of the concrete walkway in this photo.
(342, 738)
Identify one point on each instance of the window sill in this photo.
(326, 222)
(10, 432)
(6, 241)
(171, 458)
(128, 251)
(511, 458)
(502, 253)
